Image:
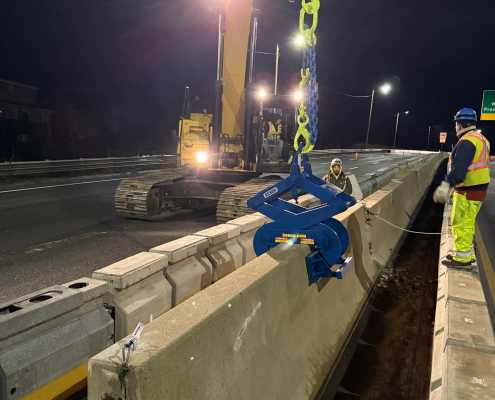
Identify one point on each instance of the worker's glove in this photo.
(442, 193)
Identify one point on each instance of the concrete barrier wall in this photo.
(138, 290)
(47, 337)
(463, 361)
(261, 332)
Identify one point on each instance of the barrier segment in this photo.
(189, 269)
(139, 291)
(260, 332)
(47, 337)
(224, 251)
(248, 225)
(463, 360)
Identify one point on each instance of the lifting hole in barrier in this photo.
(78, 285)
(9, 309)
(40, 298)
(13, 390)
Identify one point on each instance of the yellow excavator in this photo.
(220, 156)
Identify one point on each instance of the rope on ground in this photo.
(401, 228)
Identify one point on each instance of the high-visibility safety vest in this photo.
(479, 171)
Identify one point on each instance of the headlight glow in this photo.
(201, 157)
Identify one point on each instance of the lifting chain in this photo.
(307, 116)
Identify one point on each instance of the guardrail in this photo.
(50, 167)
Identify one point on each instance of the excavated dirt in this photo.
(393, 357)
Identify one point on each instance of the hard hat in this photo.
(466, 114)
(336, 161)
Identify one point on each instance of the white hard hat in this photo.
(336, 161)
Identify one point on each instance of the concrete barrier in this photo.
(47, 337)
(248, 225)
(261, 332)
(463, 360)
(224, 251)
(189, 269)
(139, 291)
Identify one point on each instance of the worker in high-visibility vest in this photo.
(467, 180)
(337, 177)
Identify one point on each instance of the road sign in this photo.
(443, 137)
(488, 106)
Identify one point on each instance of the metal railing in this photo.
(50, 167)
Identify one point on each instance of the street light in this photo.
(397, 116)
(384, 89)
(261, 93)
(297, 96)
(298, 41)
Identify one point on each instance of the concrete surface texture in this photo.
(139, 291)
(261, 332)
(463, 361)
(47, 334)
(485, 245)
(58, 229)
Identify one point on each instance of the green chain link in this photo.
(308, 7)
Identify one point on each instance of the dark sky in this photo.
(135, 56)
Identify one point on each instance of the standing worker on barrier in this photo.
(337, 177)
(469, 177)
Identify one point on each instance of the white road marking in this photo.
(353, 168)
(56, 186)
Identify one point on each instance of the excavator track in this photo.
(141, 198)
(233, 201)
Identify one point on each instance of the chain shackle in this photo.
(309, 7)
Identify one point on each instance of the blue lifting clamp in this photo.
(294, 224)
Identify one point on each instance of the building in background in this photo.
(25, 128)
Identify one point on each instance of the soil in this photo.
(393, 357)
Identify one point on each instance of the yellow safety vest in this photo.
(479, 171)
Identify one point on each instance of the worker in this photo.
(467, 181)
(337, 177)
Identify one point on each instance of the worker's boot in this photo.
(458, 264)
(451, 253)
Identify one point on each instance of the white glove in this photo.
(442, 193)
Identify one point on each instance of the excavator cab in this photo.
(274, 128)
(193, 144)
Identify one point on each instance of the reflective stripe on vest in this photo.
(479, 171)
(484, 157)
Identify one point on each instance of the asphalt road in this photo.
(56, 230)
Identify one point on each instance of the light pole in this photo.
(385, 90)
(277, 64)
(429, 134)
(261, 94)
(397, 117)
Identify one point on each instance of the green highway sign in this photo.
(488, 106)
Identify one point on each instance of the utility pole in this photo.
(429, 133)
(369, 120)
(396, 128)
(277, 60)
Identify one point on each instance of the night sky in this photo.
(132, 58)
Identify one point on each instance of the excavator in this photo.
(224, 158)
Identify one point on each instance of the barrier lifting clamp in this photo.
(294, 224)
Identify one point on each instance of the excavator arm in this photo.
(237, 27)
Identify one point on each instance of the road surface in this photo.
(56, 230)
